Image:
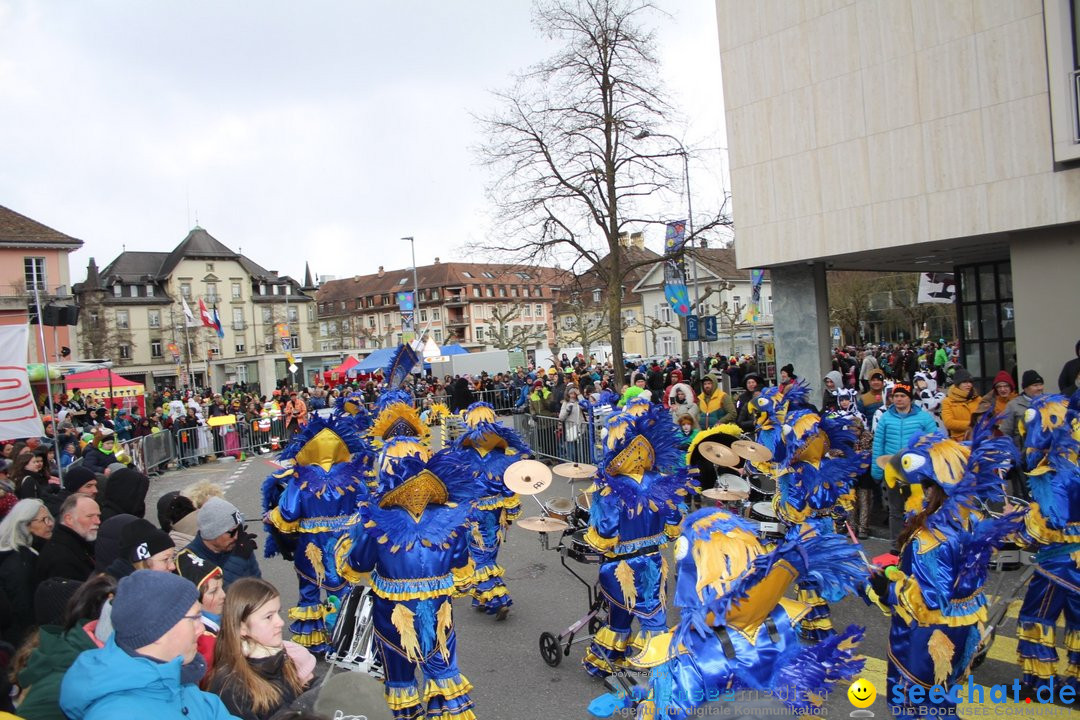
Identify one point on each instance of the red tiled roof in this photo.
(16, 229)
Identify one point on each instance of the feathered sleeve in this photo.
(603, 532)
(356, 551)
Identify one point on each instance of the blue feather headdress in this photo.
(1054, 482)
(654, 425)
(797, 394)
(337, 424)
(401, 364)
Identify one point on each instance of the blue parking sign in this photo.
(691, 327)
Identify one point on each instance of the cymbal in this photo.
(884, 460)
(574, 471)
(724, 495)
(542, 524)
(527, 477)
(718, 454)
(752, 451)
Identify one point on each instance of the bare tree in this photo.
(653, 325)
(732, 317)
(569, 152)
(502, 335)
(584, 324)
(849, 299)
(98, 334)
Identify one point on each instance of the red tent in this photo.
(340, 374)
(95, 383)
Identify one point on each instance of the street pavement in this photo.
(503, 661)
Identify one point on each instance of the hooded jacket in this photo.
(66, 555)
(107, 683)
(828, 399)
(956, 411)
(55, 653)
(687, 407)
(125, 493)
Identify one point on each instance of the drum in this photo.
(582, 506)
(768, 524)
(352, 643)
(732, 483)
(582, 551)
(762, 487)
(560, 508)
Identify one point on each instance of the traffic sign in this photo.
(710, 328)
(692, 327)
(836, 332)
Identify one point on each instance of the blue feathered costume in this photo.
(936, 593)
(737, 631)
(413, 540)
(489, 449)
(1051, 432)
(305, 507)
(815, 466)
(638, 501)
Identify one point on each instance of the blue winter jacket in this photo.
(109, 684)
(233, 567)
(895, 430)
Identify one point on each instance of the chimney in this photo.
(624, 239)
(637, 240)
(381, 273)
(436, 261)
(356, 278)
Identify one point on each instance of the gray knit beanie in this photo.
(147, 605)
(217, 517)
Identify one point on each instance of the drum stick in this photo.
(851, 534)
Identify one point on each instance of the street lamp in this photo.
(416, 286)
(690, 228)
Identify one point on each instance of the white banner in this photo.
(937, 287)
(19, 416)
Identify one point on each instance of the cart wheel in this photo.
(594, 625)
(550, 650)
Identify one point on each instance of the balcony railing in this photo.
(456, 300)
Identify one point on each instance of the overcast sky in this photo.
(318, 131)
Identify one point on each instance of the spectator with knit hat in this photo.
(223, 541)
(1031, 385)
(150, 666)
(998, 399)
(959, 405)
(210, 582)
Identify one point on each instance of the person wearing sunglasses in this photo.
(223, 540)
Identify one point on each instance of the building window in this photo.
(34, 273)
(268, 315)
(987, 319)
(122, 322)
(526, 310)
(185, 290)
(153, 318)
(371, 321)
(95, 319)
(667, 345)
(262, 288)
(525, 291)
(466, 273)
(502, 291)
(149, 290)
(133, 291)
(155, 349)
(476, 291)
(435, 314)
(539, 311)
(423, 316)
(118, 290)
(209, 267)
(596, 296)
(479, 334)
(386, 319)
(434, 294)
(514, 291)
(438, 335)
(211, 292)
(294, 313)
(489, 292)
(125, 352)
(237, 293)
(240, 347)
(275, 289)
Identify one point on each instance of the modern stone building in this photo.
(918, 135)
(132, 314)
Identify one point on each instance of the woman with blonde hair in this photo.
(256, 672)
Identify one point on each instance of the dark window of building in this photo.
(986, 320)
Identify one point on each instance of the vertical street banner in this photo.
(19, 416)
(407, 308)
(753, 308)
(675, 290)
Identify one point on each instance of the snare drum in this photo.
(768, 524)
(582, 508)
(762, 487)
(560, 508)
(582, 551)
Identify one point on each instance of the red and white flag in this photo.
(207, 318)
(19, 416)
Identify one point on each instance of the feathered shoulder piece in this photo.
(398, 418)
(325, 442)
(353, 404)
(484, 433)
(389, 397)
(797, 394)
(1053, 480)
(1039, 424)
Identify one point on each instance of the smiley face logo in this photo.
(861, 693)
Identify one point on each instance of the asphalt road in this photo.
(502, 659)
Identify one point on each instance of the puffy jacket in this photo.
(956, 411)
(108, 684)
(678, 409)
(716, 409)
(96, 460)
(895, 430)
(233, 566)
(55, 653)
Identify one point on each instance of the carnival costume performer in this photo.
(725, 434)
(489, 448)
(936, 593)
(638, 501)
(1051, 433)
(305, 507)
(815, 482)
(768, 408)
(413, 540)
(736, 629)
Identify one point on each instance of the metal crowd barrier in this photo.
(548, 437)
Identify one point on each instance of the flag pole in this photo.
(48, 381)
